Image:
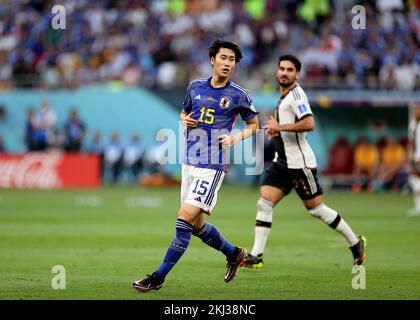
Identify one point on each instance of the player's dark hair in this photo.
(218, 43)
(292, 59)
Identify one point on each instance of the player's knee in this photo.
(264, 210)
(186, 216)
(324, 213)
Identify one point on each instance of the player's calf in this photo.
(324, 213)
(336, 222)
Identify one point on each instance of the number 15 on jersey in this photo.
(206, 116)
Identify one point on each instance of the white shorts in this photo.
(199, 186)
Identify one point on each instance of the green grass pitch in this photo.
(107, 238)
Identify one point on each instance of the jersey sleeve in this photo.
(187, 104)
(245, 107)
(301, 108)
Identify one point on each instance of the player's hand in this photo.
(189, 122)
(226, 141)
(272, 125)
(271, 134)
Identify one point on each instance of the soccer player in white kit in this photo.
(294, 166)
(414, 157)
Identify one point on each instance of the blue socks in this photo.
(208, 234)
(177, 247)
(212, 237)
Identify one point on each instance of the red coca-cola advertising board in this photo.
(49, 171)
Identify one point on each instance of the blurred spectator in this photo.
(381, 144)
(2, 146)
(30, 130)
(387, 76)
(378, 131)
(389, 5)
(366, 163)
(74, 132)
(5, 70)
(113, 156)
(96, 146)
(153, 159)
(407, 74)
(154, 156)
(45, 121)
(24, 73)
(133, 156)
(393, 159)
(131, 75)
(340, 157)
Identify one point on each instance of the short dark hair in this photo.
(218, 43)
(292, 59)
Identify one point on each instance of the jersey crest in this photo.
(225, 102)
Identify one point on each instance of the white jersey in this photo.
(292, 149)
(414, 135)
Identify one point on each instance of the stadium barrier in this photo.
(49, 170)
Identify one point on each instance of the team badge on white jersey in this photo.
(302, 108)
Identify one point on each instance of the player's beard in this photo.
(286, 84)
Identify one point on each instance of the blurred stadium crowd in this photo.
(44, 134)
(163, 43)
(383, 165)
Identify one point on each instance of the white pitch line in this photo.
(150, 202)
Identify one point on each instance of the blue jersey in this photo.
(216, 110)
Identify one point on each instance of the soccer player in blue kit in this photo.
(208, 113)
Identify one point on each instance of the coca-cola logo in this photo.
(35, 170)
